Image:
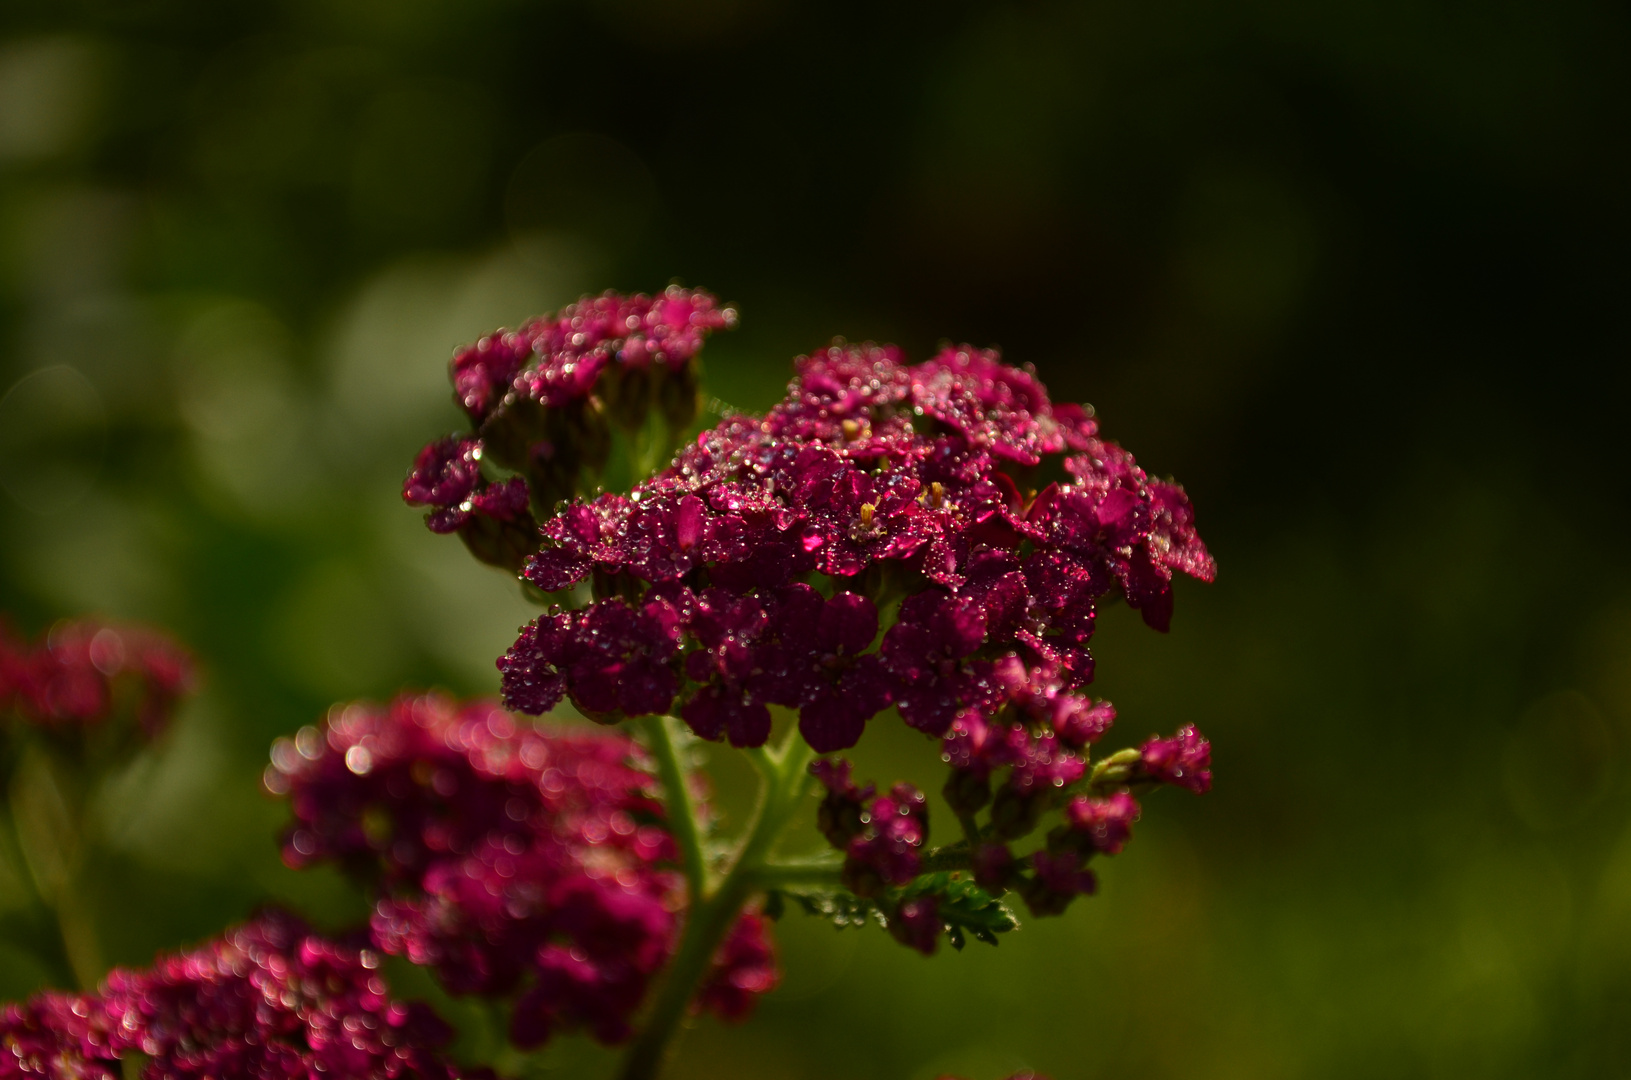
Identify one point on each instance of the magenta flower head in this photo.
(516, 861)
(93, 688)
(267, 999)
(877, 478)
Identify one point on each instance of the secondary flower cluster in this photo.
(1041, 739)
(511, 859)
(751, 572)
(544, 402)
(884, 837)
(269, 1000)
(84, 672)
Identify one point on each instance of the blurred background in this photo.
(1356, 273)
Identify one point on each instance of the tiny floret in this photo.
(1184, 759)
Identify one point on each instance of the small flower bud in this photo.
(897, 826)
(966, 791)
(1079, 722)
(993, 866)
(1185, 759)
(1015, 813)
(842, 814)
(1102, 825)
(1057, 879)
(917, 923)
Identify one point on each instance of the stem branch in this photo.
(817, 872)
(666, 736)
(950, 857)
(49, 810)
(714, 910)
(41, 932)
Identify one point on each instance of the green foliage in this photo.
(964, 907)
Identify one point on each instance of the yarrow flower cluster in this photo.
(514, 860)
(84, 672)
(752, 571)
(935, 537)
(269, 999)
(545, 402)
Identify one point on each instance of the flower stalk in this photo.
(47, 834)
(44, 935)
(665, 738)
(786, 781)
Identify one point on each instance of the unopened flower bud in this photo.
(967, 792)
(1057, 879)
(993, 866)
(1101, 825)
(917, 923)
(841, 816)
(1185, 759)
(1015, 813)
(1079, 722)
(897, 827)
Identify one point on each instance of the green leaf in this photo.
(965, 908)
(964, 905)
(840, 907)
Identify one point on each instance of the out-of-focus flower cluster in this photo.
(544, 403)
(753, 570)
(744, 968)
(514, 860)
(269, 999)
(85, 672)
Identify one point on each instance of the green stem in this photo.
(80, 939)
(666, 736)
(42, 935)
(49, 822)
(765, 761)
(951, 857)
(714, 911)
(826, 871)
(821, 873)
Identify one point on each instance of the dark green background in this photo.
(1355, 272)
